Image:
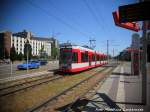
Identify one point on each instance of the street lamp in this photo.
(27, 55)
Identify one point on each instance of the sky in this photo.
(76, 21)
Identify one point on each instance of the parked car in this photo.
(5, 61)
(30, 65)
(43, 62)
(35, 61)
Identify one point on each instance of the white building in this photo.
(38, 42)
(19, 39)
(18, 43)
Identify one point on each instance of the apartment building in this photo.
(19, 39)
(5, 44)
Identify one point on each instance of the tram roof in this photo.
(78, 47)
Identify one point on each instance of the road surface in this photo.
(5, 69)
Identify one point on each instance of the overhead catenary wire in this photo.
(57, 18)
(102, 18)
(93, 12)
(94, 15)
(64, 15)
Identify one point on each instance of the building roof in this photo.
(21, 34)
(2, 32)
(25, 34)
(41, 38)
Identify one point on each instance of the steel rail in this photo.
(82, 95)
(15, 85)
(29, 86)
(42, 104)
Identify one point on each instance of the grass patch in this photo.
(22, 100)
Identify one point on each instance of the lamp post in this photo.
(28, 48)
(27, 56)
(144, 64)
(114, 52)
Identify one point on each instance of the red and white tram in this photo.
(75, 58)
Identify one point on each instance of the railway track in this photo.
(7, 90)
(27, 84)
(13, 83)
(73, 106)
(54, 99)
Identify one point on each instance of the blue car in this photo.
(43, 62)
(30, 65)
(35, 61)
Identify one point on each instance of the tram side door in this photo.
(90, 59)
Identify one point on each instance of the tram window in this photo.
(75, 57)
(97, 58)
(104, 58)
(101, 58)
(93, 57)
(65, 56)
(84, 57)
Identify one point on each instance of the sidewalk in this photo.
(120, 91)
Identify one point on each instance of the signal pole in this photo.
(144, 64)
(108, 50)
(113, 53)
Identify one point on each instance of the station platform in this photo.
(121, 91)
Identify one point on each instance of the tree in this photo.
(55, 52)
(42, 52)
(20, 56)
(13, 54)
(27, 51)
(6, 55)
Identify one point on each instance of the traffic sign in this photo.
(128, 25)
(132, 50)
(135, 12)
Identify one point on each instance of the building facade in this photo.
(38, 42)
(148, 47)
(5, 44)
(7, 39)
(20, 38)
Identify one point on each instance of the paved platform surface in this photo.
(120, 91)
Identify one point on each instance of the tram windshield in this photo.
(65, 55)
